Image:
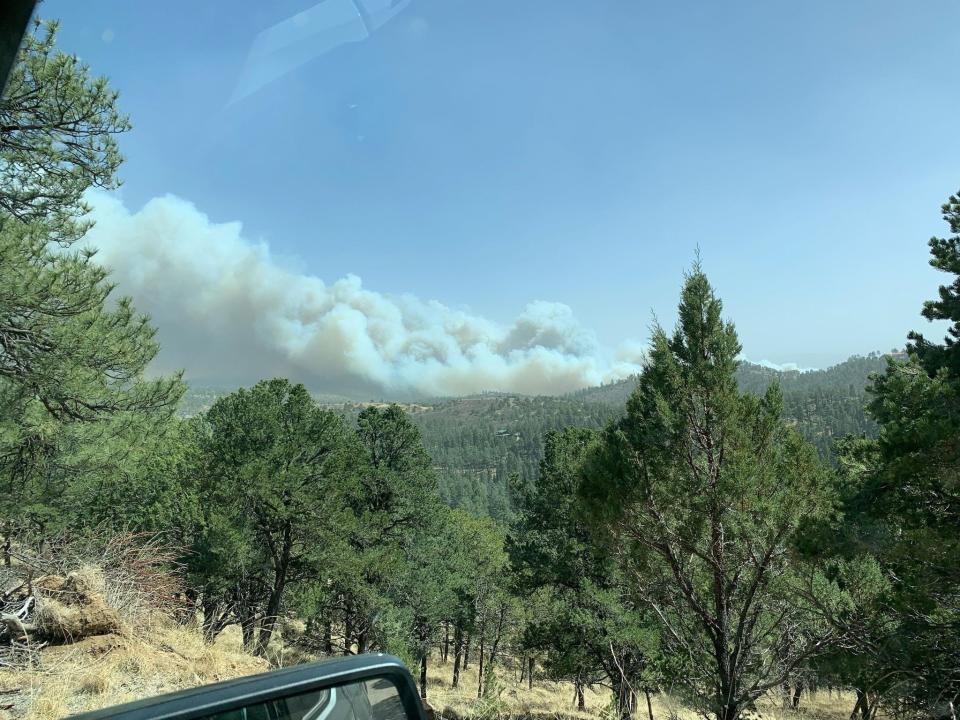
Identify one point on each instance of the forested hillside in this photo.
(825, 405)
(482, 444)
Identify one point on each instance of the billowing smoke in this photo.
(229, 312)
(779, 367)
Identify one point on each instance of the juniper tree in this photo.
(593, 630)
(274, 470)
(702, 490)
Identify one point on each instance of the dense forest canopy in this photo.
(483, 446)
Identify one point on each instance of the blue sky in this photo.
(490, 154)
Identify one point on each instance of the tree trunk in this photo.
(730, 711)
(495, 646)
(209, 624)
(530, 662)
(457, 653)
(248, 630)
(423, 676)
(496, 638)
(480, 669)
(7, 545)
(213, 619)
(269, 622)
(267, 626)
(446, 640)
(328, 637)
(578, 690)
(796, 695)
(649, 704)
(863, 705)
(466, 653)
(856, 707)
(361, 642)
(621, 691)
(348, 628)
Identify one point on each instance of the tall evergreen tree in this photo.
(909, 496)
(703, 489)
(73, 393)
(274, 475)
(946, 258)
(58, 128)
(394, 501)
(594, 629)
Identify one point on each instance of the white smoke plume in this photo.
(779, 367)
(228, 311)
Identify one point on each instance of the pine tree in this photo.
(909, 495)
(946, 258)
(57, 137)
(73, 356)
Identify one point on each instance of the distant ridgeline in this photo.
(478, 443)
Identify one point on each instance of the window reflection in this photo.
(375, 699)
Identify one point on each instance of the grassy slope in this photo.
(103, 671)
(107, 670)
(555, 700)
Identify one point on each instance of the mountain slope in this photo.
(824, 405)
(479, 442)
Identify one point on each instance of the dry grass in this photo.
(136, 573)
(108, 670)
(152, 654)
(145, 652)
(111, 669)
(556, 700)
(821, 705)
(547, 699)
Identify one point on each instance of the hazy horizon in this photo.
(220, 384)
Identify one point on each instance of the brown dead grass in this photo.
(821, 705)
(163, 656)
(107, 670)
(555, 700)
(547, 699)
(112, 669)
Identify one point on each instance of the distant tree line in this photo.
(486, 446)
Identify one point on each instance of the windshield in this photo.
(596, 358)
